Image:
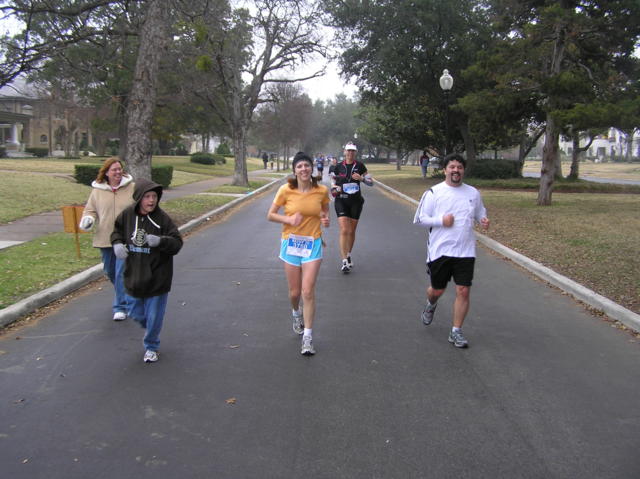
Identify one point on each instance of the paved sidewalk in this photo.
(31, 227)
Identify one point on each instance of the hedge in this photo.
(493, 169)
(223, 150)
(85, 174)
(39, 152)
(162, 175)
(207, 158)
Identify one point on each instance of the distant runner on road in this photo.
(306, 208)
(345, 187)
(449, 210)
(320, 165)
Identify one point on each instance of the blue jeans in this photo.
(114, 269)
(149, 312)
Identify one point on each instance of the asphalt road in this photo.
(545, 390)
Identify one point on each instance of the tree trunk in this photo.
(398, 160)
(526, 145)
(240, 177)
(469, 145)
(50, 128)
(558, 166)
(575, 158)
(285, 156)
(153, 37)
(549, 155)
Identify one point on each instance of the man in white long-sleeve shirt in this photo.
(450, 210)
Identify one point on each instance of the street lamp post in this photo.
(446, 83)
(355, 142)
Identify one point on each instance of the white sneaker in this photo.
(150, 356)
(349, 262)
(298, 324)
(119, 316)
(307, 346)
(345, 267)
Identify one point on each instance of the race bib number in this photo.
(299, 246)
(351, 188)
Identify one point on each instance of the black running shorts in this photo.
(349, 207)
(446, 267)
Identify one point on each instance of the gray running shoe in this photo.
(457, 339)
(307, 347)
(150, 356)
(298, 323)
(427, 314)
(345, 267)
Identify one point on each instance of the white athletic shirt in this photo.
(459, 240)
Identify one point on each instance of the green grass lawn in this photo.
(46, 165)
(35, 265)
(253, 185)
(182, 163)
(185, 209)
(25, 194)
(30, 186)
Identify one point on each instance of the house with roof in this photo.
(30, 118)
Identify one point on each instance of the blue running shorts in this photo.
(316, 253)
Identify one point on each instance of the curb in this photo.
(611, 309)
(28, 305)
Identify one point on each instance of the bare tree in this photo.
(260, 45)
(287, 119)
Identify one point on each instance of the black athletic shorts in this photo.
(349, 207)
(446, 267)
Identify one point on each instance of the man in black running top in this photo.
(345, 187)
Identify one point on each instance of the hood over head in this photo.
(143, 186)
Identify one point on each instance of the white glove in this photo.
(153, 240)
(86, 223)
(120, 251)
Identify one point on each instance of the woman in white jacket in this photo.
(112, 192)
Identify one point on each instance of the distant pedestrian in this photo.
(450, 209)
(112, 192)
(424, 163)
(265, 160)
(320, 165)
(306, 209)
(146, 237)
(345, 187)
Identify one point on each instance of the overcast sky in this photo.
(328, 86)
